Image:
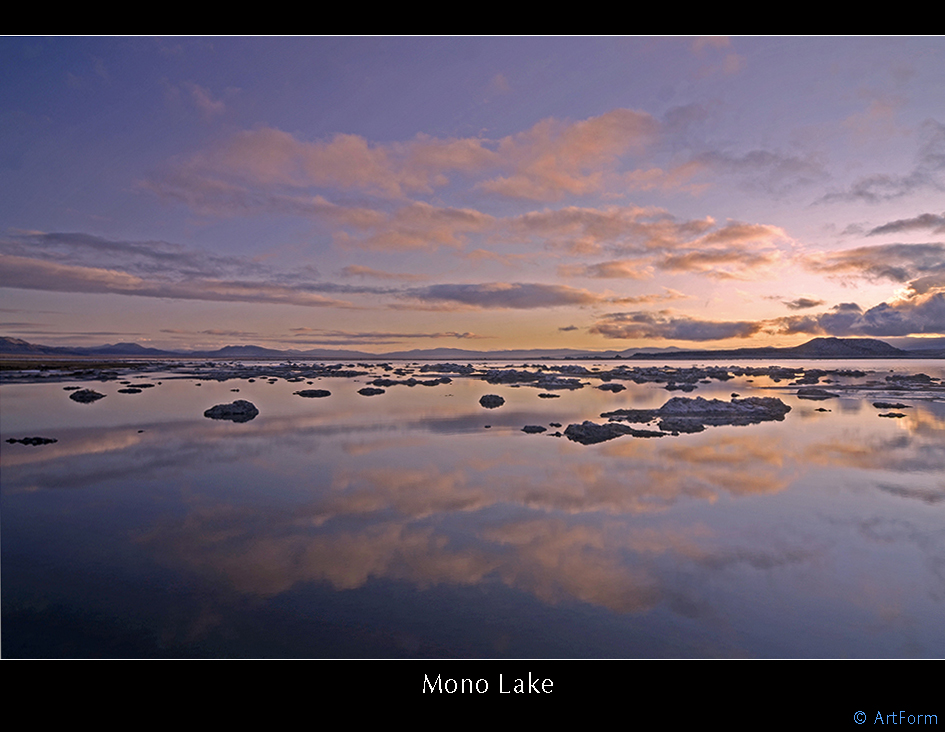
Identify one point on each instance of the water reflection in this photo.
(734, 541)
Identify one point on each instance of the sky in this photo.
(385, 194)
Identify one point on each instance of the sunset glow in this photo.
(384, 194)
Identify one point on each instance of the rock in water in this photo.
(589, 433)
(681, 414)
(612, 387)
(239, 411)
(370, 391)
(815, 393)
(86, 396)
(313, 393)
(534, 429)
(491, 401)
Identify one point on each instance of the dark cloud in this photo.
(39, 274)
(665, 326)
(921, 314)
(506, 295)
(802, 303)
(77, 262)
(568, 328)
(935, 222)
(896, 262)
(134, 257)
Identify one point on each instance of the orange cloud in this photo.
(555, 158)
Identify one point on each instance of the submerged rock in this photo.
(313, 393)
(86, 396)
(890, 405)
(893, 415)
(491, 401)
(815, 393)
(239, 411)
(129, 390)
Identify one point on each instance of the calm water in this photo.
(398, 525)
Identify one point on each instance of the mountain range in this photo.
(817, 348)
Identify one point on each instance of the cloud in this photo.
(507, 260)
(357, 270)
(204, 101)
(554, 158)
(925, 175)
(663, 325)
(717, 42)
(503, 295)
(770, 171)
(734, 251)
(731, 62)
(270, 158)
(138, 257)
(652, 238)
(419, 226)
(896, 262)
(343, 337)
(38, 274)
(678, 120)
(616, 269)
(416, 225)
(500, 84)
(737, 262)
(216, 332)
(935, 222)
(622, 228)
(921, 314)
(802, 303)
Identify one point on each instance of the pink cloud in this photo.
(555, 158)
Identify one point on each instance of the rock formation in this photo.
(239, 411)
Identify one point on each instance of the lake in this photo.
(417, 523)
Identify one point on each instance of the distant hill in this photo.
(833, 348)
(816, 348)
(17, 346)
(125, 349)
